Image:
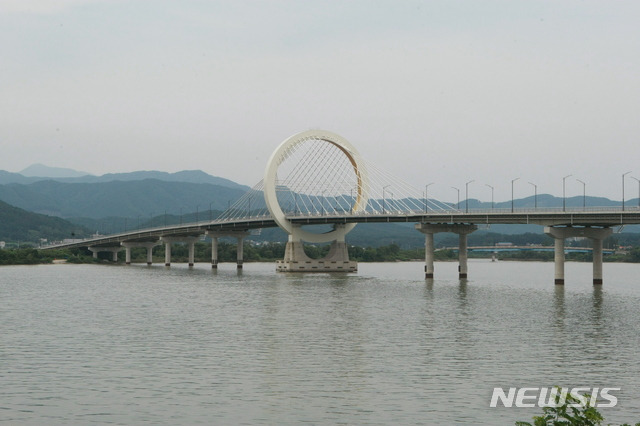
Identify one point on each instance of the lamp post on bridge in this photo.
(383, 198)
(486, 184)
(210, 215)
(426, 197)
(584, 194)
(457, 205)
(466, 196)
(638, 180)
(535, 195)
(197, 213)
(512, 181)
(623, 175)
(564, 194)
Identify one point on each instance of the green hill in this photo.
(117, 198)
(17, 225)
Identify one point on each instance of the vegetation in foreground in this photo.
(32, 256)
(569, 411)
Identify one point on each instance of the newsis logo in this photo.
(554, 397)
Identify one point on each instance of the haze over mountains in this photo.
(39, 172)
(118, 201)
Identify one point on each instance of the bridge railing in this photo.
(470, 212)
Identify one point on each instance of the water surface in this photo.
(99, 344)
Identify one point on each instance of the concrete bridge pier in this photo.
(429, 230)
(214, 252)
(190, 240)
(240, 253)
(296, 260)
(597, 235)
(114, 250)
(148, 245)
(239, 235)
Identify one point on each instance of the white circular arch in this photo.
(281, 153)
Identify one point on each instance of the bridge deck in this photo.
(602, 217)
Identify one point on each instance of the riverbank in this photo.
(274, 251)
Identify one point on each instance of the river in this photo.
(100, 344)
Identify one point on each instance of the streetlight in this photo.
(512, 181)
(383, 201)
(466, 196)
(197, 213)
(584, 194)
(458, 205)
(564, 196)
(638, 180)
(351, 203)
(623, 175)
(535, 195)
(486, 184)
(210, 215)
(426, 197)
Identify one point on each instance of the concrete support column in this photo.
(296, 260)
(167, 253)
(561, 233)
(192, 252)
(558, 258)
(240, 253)
(240, 235)
(462, 255)
(428, 255)
(189, 239)
(127, 255)
(128, 245)
(597, 261)
(429, 229)
(113, 250)
(214, 252)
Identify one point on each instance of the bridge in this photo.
(316, 180)
(536, 248)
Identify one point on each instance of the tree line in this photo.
(269, 252)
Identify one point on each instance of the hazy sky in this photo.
(432, 91)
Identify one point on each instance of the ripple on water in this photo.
(119, 345)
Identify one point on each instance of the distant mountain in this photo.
(40, 170)
(118, 198)
(20, 226)
(10, 177)
(188, 176)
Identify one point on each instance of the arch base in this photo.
(296, 260)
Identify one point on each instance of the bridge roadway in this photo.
(594, 223)
(596, 217)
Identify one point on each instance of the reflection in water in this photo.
(559, 312)
(596, 312)
(148, 345)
